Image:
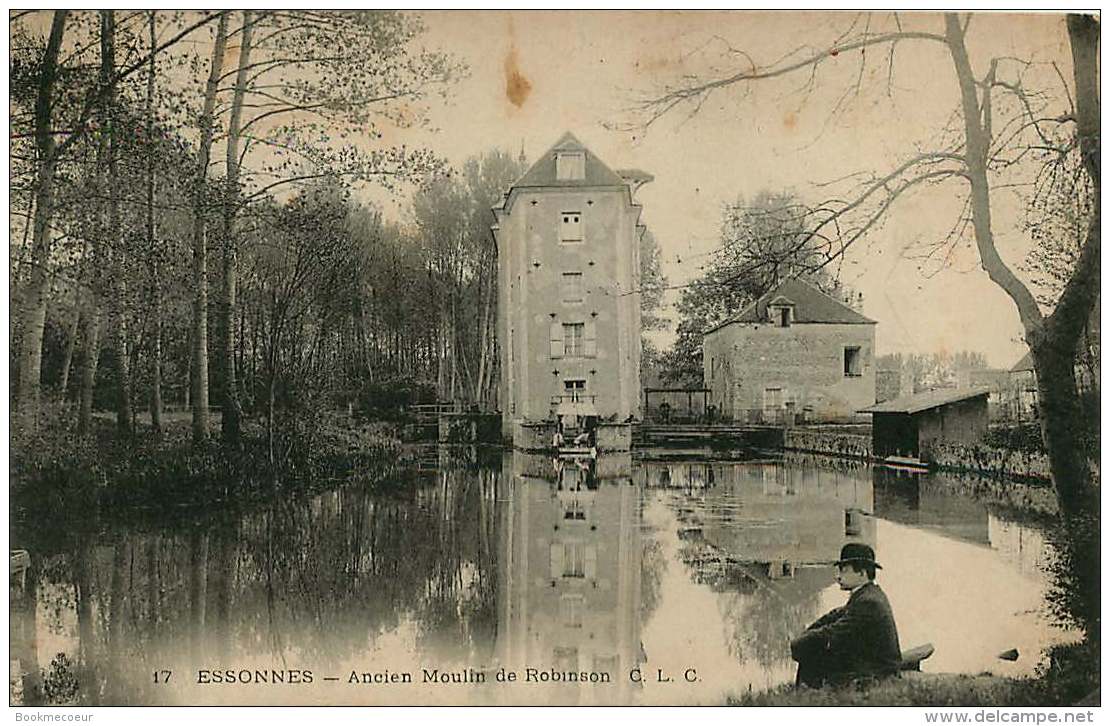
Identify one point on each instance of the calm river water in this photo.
(445, 586)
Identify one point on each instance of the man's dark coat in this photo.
(857, 640)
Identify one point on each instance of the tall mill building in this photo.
(567, 237)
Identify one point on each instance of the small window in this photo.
(574, 510)
(606, 663)
(572, 287)
(574, 559)
(570, 609)
(570, 165)
(570, 227)
(574, 388)
(566, 659)
(573, 339)
(852, 364)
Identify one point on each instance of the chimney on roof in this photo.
(857, 304)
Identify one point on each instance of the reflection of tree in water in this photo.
(457, 617)
(311, 578)
(761, 615)
(337, 571)
(762, 624)
(652, 567)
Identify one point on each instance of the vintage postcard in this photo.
(614, 358)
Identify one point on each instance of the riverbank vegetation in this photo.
(1065, 680)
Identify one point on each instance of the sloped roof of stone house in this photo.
(1025, 364)
(809, 303)
(917, 402)
(542, 173)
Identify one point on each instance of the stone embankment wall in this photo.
(849, 441)
(855, 442)
(989, 461)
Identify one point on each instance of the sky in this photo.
(535, 74)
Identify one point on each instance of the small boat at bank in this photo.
(905, 463)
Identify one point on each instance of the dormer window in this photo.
(570, 165)
(782, 316)
(781, 312)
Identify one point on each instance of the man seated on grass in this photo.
(856, 641)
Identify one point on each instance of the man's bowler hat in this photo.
(858, 552)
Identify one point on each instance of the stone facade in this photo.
(958, 422)
(810, 370)
(567, 238)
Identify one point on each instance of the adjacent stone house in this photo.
(568, 256)
(796, 354)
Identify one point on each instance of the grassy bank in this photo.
(1070, 677)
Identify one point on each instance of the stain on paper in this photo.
(517, 86)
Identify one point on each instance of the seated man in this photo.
(858, 640)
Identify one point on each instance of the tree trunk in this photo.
(88, 371)
(1062, 426)
(125, 421)
(1056, 344)
(19, 265)
(271, 398)
(155, 266)
(34, 314)
(232, 408)
(199, 372)
(71, 344)
(1053, 342)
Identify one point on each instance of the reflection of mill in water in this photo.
(570, 573)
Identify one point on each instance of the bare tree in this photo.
(48, 153)
(155, 264)
(30, 364)
(981, 148)
(232, 408)
(199, 377)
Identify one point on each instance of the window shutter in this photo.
(556, 340)
(589, 346)
(591, 563)
(556, 560)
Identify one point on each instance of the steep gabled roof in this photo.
(810, 306)
(542, 173)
